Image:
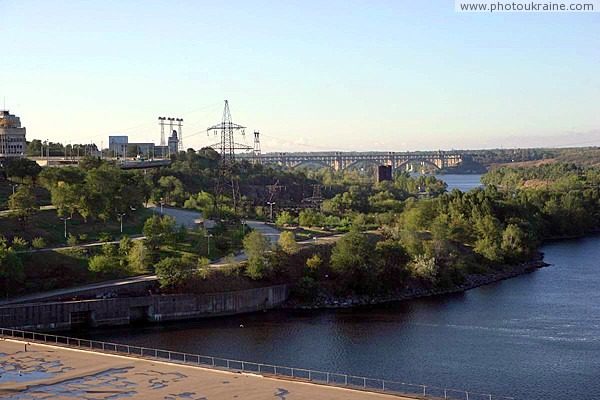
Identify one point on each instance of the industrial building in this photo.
(119, 146)
(12, 136)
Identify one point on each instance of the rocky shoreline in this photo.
(471, 282)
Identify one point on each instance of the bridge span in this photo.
(339, 161)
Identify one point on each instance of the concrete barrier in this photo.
(125, 310)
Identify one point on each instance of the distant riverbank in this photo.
(471, 281)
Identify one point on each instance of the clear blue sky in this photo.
(348, 75)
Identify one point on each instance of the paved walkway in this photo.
(44, 371)
(189, 219)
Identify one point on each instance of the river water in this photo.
(536, 336)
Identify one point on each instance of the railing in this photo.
(328, 378)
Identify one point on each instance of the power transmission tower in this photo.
(256, 152)
(161, 122)
(316, 199)
(180, 134)
(227, 147)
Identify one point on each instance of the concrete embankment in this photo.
(45, 371)
(126, 310)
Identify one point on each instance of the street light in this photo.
(65, 219)
(14, 185)
(271, 203)
(243, 228)
(120, 217)
(208, 244)
(161, 205)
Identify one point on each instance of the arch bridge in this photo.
(340, 161)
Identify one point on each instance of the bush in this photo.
(105, 237)
(72, 240)
(83, 238)
(19, 244)
(39, 243)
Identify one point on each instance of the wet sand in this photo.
(45, 371)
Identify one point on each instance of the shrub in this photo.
(39, 243)
(105, 237)
(19, 244)
(72, 240)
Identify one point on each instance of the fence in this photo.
(327, 378)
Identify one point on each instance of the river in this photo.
(536, 336)
(462, 182)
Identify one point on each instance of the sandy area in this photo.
(44, 372)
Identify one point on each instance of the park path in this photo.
(185, 217)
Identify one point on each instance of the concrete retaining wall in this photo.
(123, 311)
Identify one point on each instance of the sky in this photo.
(348, 75)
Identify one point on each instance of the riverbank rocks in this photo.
(471, 281)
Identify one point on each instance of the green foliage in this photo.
(284, 219)
(313, 263)
(310, 218)
(105, 237)
(176, 271)
(11, 267)
(138, 257)
(72, 240)
(19, 244)
(351, 259)
(106, 265)
(23, 204)
(159, 231)
(256, 247)
(38, 243)
(287, 242)
(125, 245)
(21, 168)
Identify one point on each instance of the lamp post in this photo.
(65, 219)
(14, 185)
(208, 236)
(243, 228)
(161, 205)
(271, 203)
(120, 217)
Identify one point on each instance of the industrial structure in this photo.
(119, 146)
(12, 136)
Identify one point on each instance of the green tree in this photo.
(514, 243)
(351, 260)
(256, 247)
(287, 241)
(159, 231)
(284, 218)
(107, 265)
(174, 272)
(125, 245)
(314, 262)
(22, 204)
(11, 267)
(138, 257)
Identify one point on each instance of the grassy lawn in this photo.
(304, 233)
(47, 224)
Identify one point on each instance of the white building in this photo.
(12, 136)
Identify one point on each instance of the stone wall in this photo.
(124, 310)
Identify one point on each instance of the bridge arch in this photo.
(366, 161)
(404, 162)
(309, 162)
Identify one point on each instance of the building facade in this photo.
(119, 146)
(12, 136)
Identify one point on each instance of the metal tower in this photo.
(228, 179)
(180, 134)
(227, 128)
(161, 122)
(256, 152)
